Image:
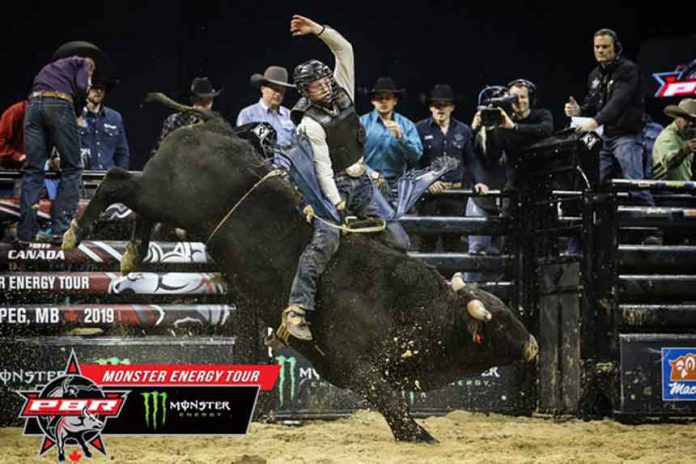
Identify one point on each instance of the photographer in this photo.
(499, 140)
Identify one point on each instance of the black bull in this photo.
(384, 323)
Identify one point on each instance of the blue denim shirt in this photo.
(280, 120)
(383, 152)
(103, 142)
(456, 144)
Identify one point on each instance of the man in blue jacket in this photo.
(392, 142)
(103, 142)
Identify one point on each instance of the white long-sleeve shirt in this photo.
(344, 74)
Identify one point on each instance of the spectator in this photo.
(673, 152)
(202, 95)
(272, 85)
(102, 134)
(442, 135)
(392, 144)
(12, 154)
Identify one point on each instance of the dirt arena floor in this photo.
(364, 437)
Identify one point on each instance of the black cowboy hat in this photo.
(86, 50)
(385, 84)
(202, 87)
(274, 75)
(108, 83)
(441, 93)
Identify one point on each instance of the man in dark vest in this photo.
(326, 116)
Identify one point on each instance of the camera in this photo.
(498, 98)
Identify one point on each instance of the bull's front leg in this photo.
(393, 406)
(137, 248)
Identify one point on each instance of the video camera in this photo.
(491, 100)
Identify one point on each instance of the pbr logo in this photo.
(71, 410)
(678, 374)
(678, 83)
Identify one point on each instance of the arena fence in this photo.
(603, 306)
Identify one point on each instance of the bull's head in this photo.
(89, 421)
(499, 337)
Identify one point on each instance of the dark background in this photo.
(161, 46)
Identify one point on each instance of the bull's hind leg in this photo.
(393, 406)
(119, 186)
(137, 248)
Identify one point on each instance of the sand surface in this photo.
(364, 437)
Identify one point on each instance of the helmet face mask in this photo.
(314, 80)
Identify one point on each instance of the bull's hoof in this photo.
(70, 237)
(88, 453)
(129, 260)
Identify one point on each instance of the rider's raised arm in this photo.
(344, 69)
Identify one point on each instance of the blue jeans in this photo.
(50, 122)
(626, 151)
(357, 193)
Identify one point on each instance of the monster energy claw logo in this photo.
(155, 403)
(292, 362)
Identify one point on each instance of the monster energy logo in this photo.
(155, 402)
(292, 362)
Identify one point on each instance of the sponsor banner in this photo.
(190, 374)
(170, 411)
(130, 315)
(679, 374)
(104, 252)
(85, 403)
(100, 283)
(302, 391)
(678, 83)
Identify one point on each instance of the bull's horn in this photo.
(457, 282)
(478, 311)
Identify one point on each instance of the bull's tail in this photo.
(159, 97)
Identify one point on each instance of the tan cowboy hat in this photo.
(275, 75)
(686, 109)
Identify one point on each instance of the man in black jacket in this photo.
(615, 100)
(497, 150)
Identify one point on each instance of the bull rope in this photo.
(270, 175)
(308, 211)
(309, 215)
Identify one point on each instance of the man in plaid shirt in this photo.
(202, 96)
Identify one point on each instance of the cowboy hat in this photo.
(202, 87)
(274, 75)
(685, 109)
(85, 50)
(385, 84)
